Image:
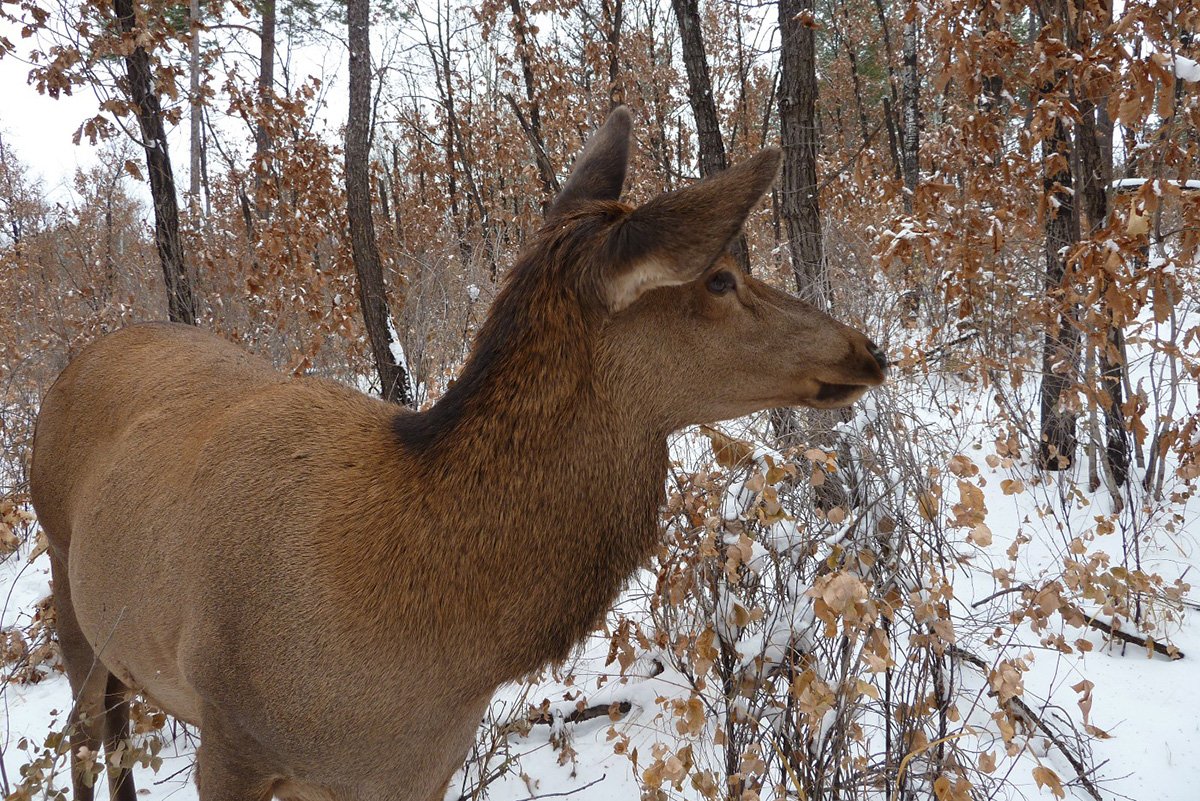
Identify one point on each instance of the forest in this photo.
(974, 583)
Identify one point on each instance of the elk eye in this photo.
(722, 282)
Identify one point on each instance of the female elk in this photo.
(332, 588)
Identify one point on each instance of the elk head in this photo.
(682, 335)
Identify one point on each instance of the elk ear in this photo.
(676, 237)
(599, 172)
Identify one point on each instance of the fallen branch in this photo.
(580, 715)
(1170, 652)
(565, 792)
(1021, 710)
(1075, 615)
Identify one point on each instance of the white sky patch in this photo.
(38, 128)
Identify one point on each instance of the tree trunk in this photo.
(613, 11)
(266, 85)
(704, 107)
(195, 103)
(1060, 346)
(181, 304)
(910, 300)
(1094, 146)
(368, 267)
(798, 203)
(533, 125)
(912, 118)
(849, 44)
(889, 105)
(798, 206)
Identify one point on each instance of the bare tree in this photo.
(1095, 167)
(798, 203)
(181, 304)
(266, 85)
(531, 124)
(196, 105)
(704, 106)
(368, 267)
(614, 16)
(911, 142)
(1060, 343)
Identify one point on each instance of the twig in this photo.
(995, 595)
(166, 779)
(566, 792)
(833, 176)
(1096, 623)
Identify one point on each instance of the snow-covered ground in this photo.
(1144, 704)
(1144, 731)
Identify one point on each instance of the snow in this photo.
(1186, 69)
(1137, 183)
(396, 348)
(1144, 705)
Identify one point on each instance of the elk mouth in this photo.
(832, 396)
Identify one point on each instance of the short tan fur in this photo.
(332, 588)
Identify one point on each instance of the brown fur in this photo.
(332, 588)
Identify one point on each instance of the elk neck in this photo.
(544, 489)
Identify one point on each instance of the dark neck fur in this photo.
(555, 490)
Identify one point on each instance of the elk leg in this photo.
(116, 731)
(223, 771)
(88, 682)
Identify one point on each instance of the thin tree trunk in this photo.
(910, 300)
(798, 136)
(181, 304)
(1060, 347)
(849, 44)
(912, 119)
(266, 85)
(194, 118)
(799, 208)
(533, 125)
(889, 105)
(704, 107)
(613, 11)
(368, 267)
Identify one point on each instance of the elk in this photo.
(331, 587)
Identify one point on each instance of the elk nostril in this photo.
(878, 355)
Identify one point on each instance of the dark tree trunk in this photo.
(1060, 346)
(798, 203)
(614, 11)
(889, 105)
(266, 85)
(181, 304)
(799, 209)
(368, 266)
(1094, 148)
(849, 43)
(704, 107)
(912, 118)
